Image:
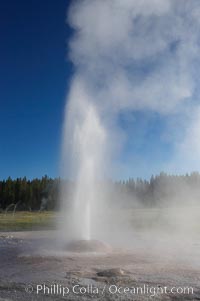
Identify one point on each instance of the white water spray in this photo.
(84, 137)
(128, 56)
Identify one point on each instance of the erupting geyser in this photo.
(84, 144)
(132, 60)
(88, 139)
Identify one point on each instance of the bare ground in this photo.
(29, 259)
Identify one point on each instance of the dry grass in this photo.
(21, 221)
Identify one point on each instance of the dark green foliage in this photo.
(27, 195)
(43, 194)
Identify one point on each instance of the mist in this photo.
(130, 57)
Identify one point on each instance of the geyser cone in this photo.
(85, 246)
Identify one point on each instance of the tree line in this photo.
(43, 194)
(24, 194)
(160, 190)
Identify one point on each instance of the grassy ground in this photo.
(21, 221)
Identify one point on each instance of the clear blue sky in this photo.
(34, 75)
(34, 80)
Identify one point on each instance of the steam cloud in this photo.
(130, 56)
(137, 55)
